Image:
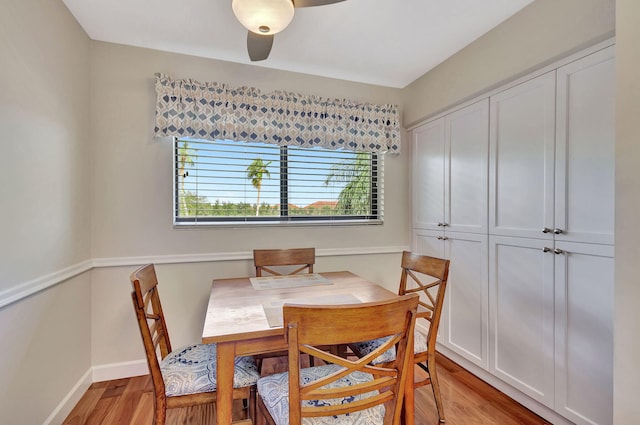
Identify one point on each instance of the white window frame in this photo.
(376, 217)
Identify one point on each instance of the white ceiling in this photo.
(384, 42)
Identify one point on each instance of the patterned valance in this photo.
(188, 108)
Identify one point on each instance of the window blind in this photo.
(230, 181)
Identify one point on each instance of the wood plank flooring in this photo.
(467, 401)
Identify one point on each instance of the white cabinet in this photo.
(584, 332)
(450, 171)
(517, 190)
(464, 321)
(552, 154)
(551, 324)
(551, 211)
(428, 175)
(521, 167)
(585, 149)
(522, 315)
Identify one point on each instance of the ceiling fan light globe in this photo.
(256, 15)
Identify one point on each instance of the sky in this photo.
(219, 172)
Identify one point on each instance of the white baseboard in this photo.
(113, 371)
(69, 402)
(95, 374)
(505, 388)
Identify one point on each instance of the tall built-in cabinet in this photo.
(517, 189)
(450, 157)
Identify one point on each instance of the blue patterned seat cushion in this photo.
(274, 391)
(419, 346)
(192, 369)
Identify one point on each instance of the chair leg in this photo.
(160, 414)
(435, 386)
(407, 415)
(252, 403)
(263, 413)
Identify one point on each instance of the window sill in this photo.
(283, 223)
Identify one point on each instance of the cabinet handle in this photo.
(546, 230)
(445, 224)
(443, 238)
(440, 224)
(557, 231)
(546, 249)
(558, 251)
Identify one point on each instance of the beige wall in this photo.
(184, 289)
(538, 34)
(46, 351)
(45, 214)
(627, 300)
(121, 206)
(132, 184)
(132, 203)
(44, 98)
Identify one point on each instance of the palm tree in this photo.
(256, 171)
(185, 158)
(355, 197)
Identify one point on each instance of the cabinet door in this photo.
(584, 332)
(466, 168)
(464, 325)
(521, 316)
(585, 149)
(432, 243)
(428, 175)
(521, 171)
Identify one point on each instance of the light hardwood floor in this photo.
(467, 401)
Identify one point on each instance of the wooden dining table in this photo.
(236, 320)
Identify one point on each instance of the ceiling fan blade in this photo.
(310, 3)
(259, 46)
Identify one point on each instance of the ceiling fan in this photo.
(264, 18)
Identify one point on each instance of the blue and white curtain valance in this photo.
(188, 108)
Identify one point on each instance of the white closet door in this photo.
(428, 242)
(432, 243)
(584, 332)
(521, 316)
(464, 324)
(585, 155)
(467, 168)
(521, 175)
(428, 175)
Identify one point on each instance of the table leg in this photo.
(224, 374)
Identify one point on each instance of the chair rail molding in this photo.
(26, 289)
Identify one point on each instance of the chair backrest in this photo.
(264, 259)
(432, 287)
(153, 328)
(313, 329)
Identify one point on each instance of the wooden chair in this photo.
(186, 376)
(264, 259)
(432, 287)
(343, 390)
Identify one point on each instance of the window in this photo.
(227, 181)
